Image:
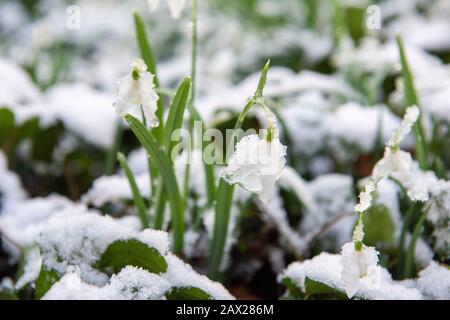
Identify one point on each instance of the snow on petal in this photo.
(256, 165)
(136, 93)
(357, 265)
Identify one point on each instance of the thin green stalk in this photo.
(409, 264)
(225, 191)
(401, 244)
(111, 156)
(194, 16)
(412, 99)
(138, 201)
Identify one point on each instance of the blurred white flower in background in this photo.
(175, 7)
(135, 90)
(357, 265)
(256, 165)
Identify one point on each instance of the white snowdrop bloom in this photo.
(365, 197)
(256, 165)
(409, 119)
(175, 7)
(396, 163)
(135, 90)
(357, 265)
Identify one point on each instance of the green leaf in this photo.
(6, 124)
(167, 173)
(378, 226)
(46, 279)
(45, 141)
(412, 99)
(313, 287)
(188, 293)
(224, 196)
(150, 61)
(176, 112)
(138, 201)
(293, 291)
(8, 294)
(131, 252)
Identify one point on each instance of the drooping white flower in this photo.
(256, 165)
(357, 265)
(409, 119)
(396, 163)
(175, 7)
(135, 90)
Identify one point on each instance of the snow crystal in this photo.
(182, 275)
(434, 281)
(129, 284)
(24, 220)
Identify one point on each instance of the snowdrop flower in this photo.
(175, 7)
(135, 90)
(357, 265)
(256, 165)
(396, 163)
(409, 119)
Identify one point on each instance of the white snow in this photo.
(326, 268)
(434, 281)
(115, 188)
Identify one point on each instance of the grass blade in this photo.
(174, 122)
(149, 59)
(163, 163)
(412, 99)
(176, 112)
(138, 201)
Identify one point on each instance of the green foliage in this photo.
(131, 252)
(163, 163)
(378, 226)
(138, 201)
(45, 280)
(187, 293)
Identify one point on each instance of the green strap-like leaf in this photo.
(138, 201)
(149, 59)
(176, 112)
(225, 192)
(188, 293)
(131, 252)
(6, 124)
(412, 99)
(163, 163)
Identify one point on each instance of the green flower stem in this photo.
(409, 264)
(225, 191)
(194, 18)
(401, 244)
